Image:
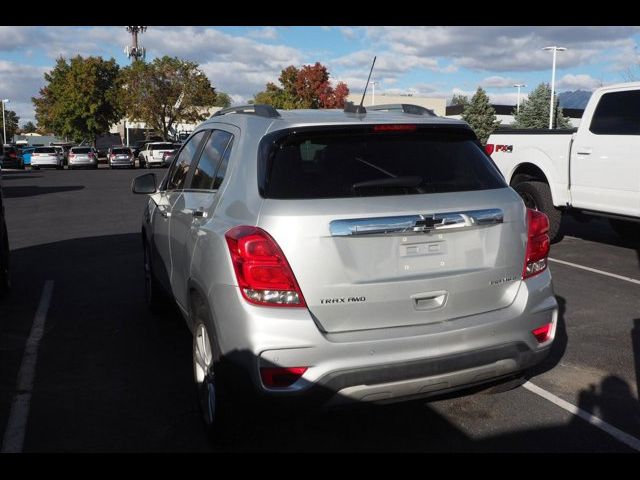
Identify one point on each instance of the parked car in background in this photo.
(138, 145)
(5, 279)
(66, 146)
(589, 172)
(121, 156)
(82, 157)
(106, 141)
(341, 257)
(11, 158)
(46, 157)
(153, 154)
(25, 153)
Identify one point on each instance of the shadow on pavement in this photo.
(10, 191)
(113, 377)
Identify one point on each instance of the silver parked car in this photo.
(82, 157)
(121, 156)
(345, 257)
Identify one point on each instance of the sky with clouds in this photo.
(428, 61)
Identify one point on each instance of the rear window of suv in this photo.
(161, 146)
(373, 161)
(121, 151)
(82, 150)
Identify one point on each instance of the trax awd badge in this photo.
(325, 301)
(499, 281)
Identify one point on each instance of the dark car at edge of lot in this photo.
(4, 248)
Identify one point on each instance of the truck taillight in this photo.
(489, 148)
(538, 243)
(263, 273)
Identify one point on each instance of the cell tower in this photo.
(135, 51)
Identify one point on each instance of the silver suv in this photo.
(345, 257)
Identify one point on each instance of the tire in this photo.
(537, 195)
(626, 230)
(214, 399)
(35, 168)
(155, 297)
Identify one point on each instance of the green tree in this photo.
(165, 92)
(534, 111)
(12, 120)
(459, 99)
(29, 127)
(222, 100)
(80, 98)
(480, 115)
(305, 87)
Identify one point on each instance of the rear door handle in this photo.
(199, 213)
(583, 151)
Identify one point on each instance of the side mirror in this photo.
(144, 184)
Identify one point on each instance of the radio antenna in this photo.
(361, 109)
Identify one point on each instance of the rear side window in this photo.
(181, 164)
(45, 150)
(209, 173)
(617, 113)
(373, 161)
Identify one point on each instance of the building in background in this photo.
(438, 105)
(504, 113)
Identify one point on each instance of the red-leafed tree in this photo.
(306, 87)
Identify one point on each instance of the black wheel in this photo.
(5, 277)
(626, 230)
(153, 292)
(35, 168)
(537, 196)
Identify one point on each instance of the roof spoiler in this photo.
(404, 108)
(262, 110)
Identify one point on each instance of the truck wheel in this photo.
(627, 230)
(537, 195)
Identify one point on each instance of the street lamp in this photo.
(4, 124)
(373, 92)
(553, 81)
(518, 102)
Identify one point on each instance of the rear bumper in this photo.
(81, 163)
(383, 365)
(122, 163)
(45, 162)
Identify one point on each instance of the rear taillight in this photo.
(542, 333)
(13, 155)
(90, 155)
(538, 243)
(489, 148)
(71, 155)
(281, 377)
(263, 273)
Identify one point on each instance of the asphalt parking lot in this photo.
(110, 376)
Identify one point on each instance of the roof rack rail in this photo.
(404, 108)
(262, 110)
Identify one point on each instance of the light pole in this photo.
(373, 92)
(4, 124)
(518, 102)
(553, 81)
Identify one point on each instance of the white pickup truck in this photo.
(594, 170)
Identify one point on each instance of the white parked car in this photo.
(152, 154)
(47, 157)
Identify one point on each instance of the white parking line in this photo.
(616, 433)
(13, 439)
(595, 270)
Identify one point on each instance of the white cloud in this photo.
(265, 33)
(578, 82)
(19, 83)
(497, 81)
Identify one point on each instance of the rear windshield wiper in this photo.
(407, 182)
